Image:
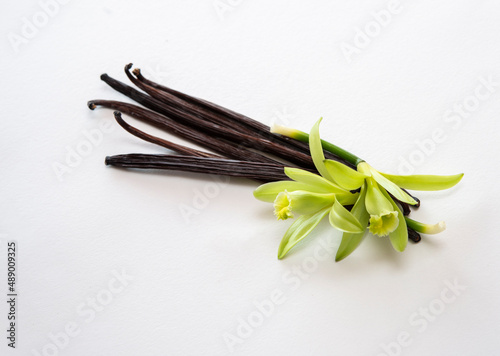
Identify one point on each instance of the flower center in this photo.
(384, 224)
(283, 206)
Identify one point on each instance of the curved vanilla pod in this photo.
(220, 115)
(223, 147)
(159, 141)
(263, 172)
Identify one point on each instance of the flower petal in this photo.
(316, 149)
(304, 202)
(303, 176)
(347, 198)
(424, 182)
(343, 220)
(392, 188)
(267, 192)
(344, 176)
(376, 202)
(300, 229)
(351, 241)
(399, 237)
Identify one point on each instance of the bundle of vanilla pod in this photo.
(302, 174)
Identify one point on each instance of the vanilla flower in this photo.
(313, 198)
(377, 205)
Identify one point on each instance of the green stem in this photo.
(425, 228)
(415, 225)
(330, 147)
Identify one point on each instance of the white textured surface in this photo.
(193, 280)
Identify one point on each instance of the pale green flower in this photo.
(305, 202)
(312, 197)
(384, 217)
(374, 207)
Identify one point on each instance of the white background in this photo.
(195, 281)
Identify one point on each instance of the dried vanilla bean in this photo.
(405, 207)
(168, 97)
(220, 115)
(218, 145)
(216, 130)
(262, 172)
(413, 235)
(159, 141)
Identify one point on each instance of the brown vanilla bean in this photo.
(220, 146)
(413, 235)
(231, 116)
(225, 116)
(216, 130)
(159, 141)
(246, 121)
(406, 208)
(157, 107)
(262, 172)
(202, 108)
(201, 111)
